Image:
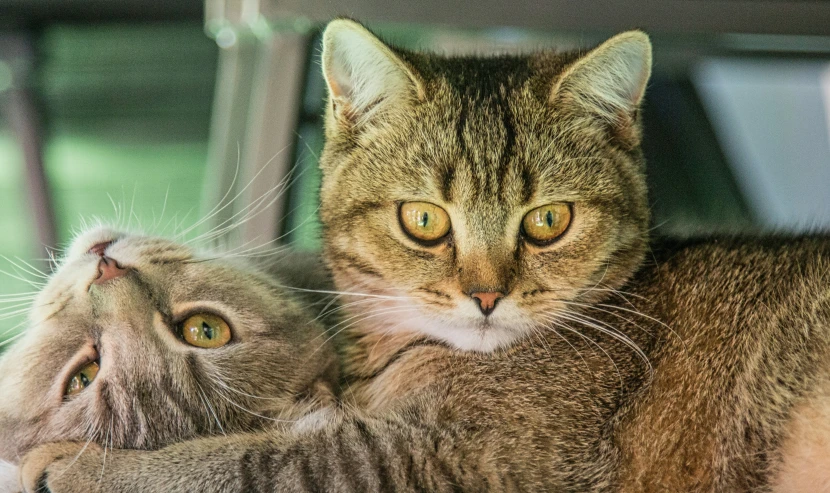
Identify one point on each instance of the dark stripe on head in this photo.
(357, 211)
(355, 263)
(460, 125)
(447, 179)
(509, 136)
(528, 186)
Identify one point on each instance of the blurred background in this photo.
(157, 114)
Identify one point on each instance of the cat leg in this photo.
(355, 455)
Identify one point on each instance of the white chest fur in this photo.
(9, 478)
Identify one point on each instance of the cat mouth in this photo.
(100, 249)
(95, 242)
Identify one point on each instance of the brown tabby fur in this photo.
(549, 394)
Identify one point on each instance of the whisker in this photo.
(79, 454)
(649, 317)
(346, 293)
(608, 330)
(361, 320)
(279, 188)
(234, 404)
(36, 284)
(11, 339)
(107, 441)
(14, 314)
(27, 268)
(326, 311)
(206, 401)
(592, 342)
(599, 309)
(227, 387)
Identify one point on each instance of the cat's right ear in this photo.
(365, 78)
(609, 81)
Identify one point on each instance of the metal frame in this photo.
(18, 107)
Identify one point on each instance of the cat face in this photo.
(479, 199)
(137, 342)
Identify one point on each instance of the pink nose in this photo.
(108, 269)
(487, 301)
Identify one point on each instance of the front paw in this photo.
(63, 468)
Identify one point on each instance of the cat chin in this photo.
(9, 478)
(482, 338)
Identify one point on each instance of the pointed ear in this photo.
(610, 80)
(365, 77)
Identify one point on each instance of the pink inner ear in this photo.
(100, 248)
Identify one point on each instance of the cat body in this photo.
(748, 366)
(487, 223)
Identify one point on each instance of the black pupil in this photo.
(208, 330)
(84, 380)
(425, 219)
(549, 219)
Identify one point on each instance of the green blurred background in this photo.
(126, 113)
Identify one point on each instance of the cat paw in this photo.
(62, 468)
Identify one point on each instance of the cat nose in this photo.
(108, 269)
(487, 301)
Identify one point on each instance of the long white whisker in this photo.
(206, 401)
(649, 317)
(235, 197)
(234, 404)
(592, 342)
(106, 443)
(346, 293)
(608, 330)
(374, 314)
(27, 268)
(36, 284)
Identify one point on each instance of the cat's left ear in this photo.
(366, 79)
(609, 80)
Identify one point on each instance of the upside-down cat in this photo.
(138, 342)
(508, 335)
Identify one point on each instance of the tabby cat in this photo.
(139, 342)
(489, 217)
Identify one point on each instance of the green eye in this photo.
(546, 223)
(206, 331)
(424, 221)
(82, 379)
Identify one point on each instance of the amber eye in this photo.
(544, 224)
(205, 330)
(424, 221)
(82, 379)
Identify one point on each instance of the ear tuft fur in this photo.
(364, 76)
(611, 79)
